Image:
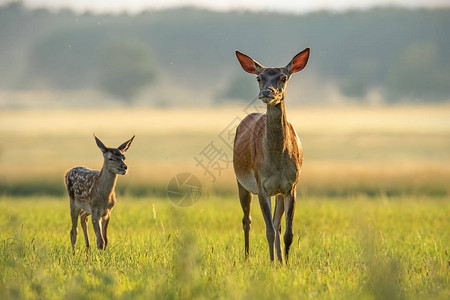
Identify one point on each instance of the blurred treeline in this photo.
(393, 53)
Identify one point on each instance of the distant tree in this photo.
(403, 51)
(360, 78)
(125, 68)
(66, 59)
(419, 72)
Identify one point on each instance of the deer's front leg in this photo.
(97, 223)
(266, 208)
(277, 215)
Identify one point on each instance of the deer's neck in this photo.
(276, 129)
(106, 183)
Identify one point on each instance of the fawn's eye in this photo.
(283, 79)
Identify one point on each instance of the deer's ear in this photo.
(248, 64)
(100, 144)
(124, 147)
(299, 62)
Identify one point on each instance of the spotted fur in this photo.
(80, 182)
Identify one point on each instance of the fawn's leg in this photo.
(74, 212)
(84, 220)
(105, 223)
(97, 223)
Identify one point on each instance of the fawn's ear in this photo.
(100, 144)
(248, 64)
(298, 62)
(124, 147)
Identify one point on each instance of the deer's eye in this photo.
(283, 79)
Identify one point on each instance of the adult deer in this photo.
(92, 193)
(267, 154)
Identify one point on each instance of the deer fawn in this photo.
(267, 154)
(92, 193)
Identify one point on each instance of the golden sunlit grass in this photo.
(420, 119)
(355, 149)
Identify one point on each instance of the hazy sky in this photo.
(297, 6)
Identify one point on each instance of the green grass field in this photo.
(357, 248)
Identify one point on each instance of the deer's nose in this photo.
(266, 93)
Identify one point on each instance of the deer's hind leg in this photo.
(74, 212)
(84, 220)
(246, 201)
(289, 207)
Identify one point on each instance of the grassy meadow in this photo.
(356, 248)
(371, 217)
